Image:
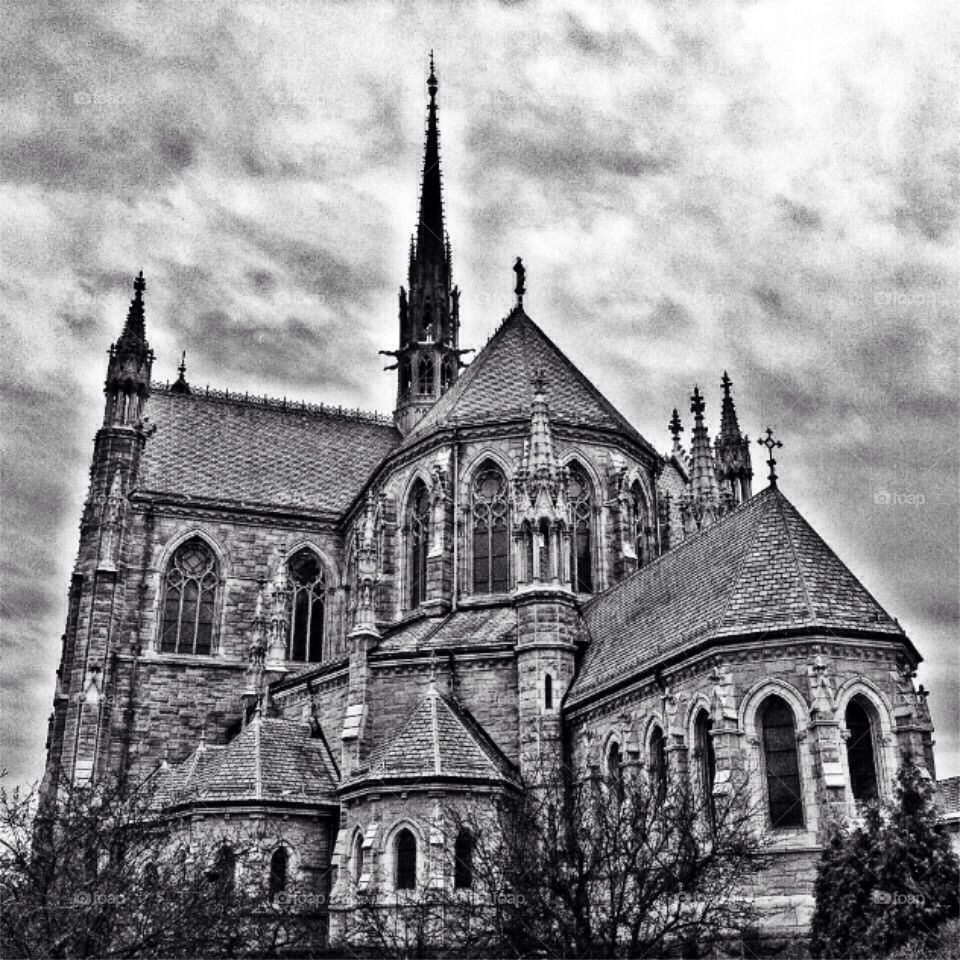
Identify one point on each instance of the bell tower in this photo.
(428, 358)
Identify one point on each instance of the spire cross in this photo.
(139, 284)
(726, 381)
(521, 288)
(182, 368)
(696, 403)
(771, 445)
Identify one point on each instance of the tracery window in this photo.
(860, 752)
(425, 375)
(581, 557)
(639, 523)
(418, 518)
(405, 849)
(782, 768)
(279, 863)
(446, 373)
(308, 585)
(189, 604)
(491, 537)
(707, 761)
(658, 762)
(463, 860)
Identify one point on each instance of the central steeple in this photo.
(428, 358)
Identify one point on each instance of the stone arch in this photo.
(405, 557)
(886, 754)
(166, 550)
(390, 852)
(748, 715)
(587, 535)
(469, 467)
(488, 541)
(336, 575)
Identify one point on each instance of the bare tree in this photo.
(100, 871)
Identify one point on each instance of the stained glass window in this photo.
(189, 603)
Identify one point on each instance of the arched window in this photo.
(547, 692)
(358, 857)
(418, 515)
(306, 619)
(463, 860)
(278, 872)
(860, 751)
(405, 847)
(543, 550)
(781, 765)
(491, 536)
(615, 764)
(706, 759)
(425, 375)
(658, 761)
(581, 557)
(223, 873)
(446, 373)
(406, 378)
(189, 602)
(639, 522)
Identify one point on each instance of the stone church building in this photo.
(344, 622)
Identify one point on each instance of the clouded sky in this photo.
(766, 188)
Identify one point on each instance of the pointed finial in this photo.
(696, 403)
(726, 381)
(521, 288)
(182, 368)
(676, 427)
(139, 285)
(181, 385)
(771, 445)
(432, 79)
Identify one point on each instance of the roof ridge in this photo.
(761, 514)
(675, 551)
(796, 559)
(257, 758)
(283, 404)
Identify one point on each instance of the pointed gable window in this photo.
(640, 523)
(784, 799)
(418, 520)
(658, 762)
(581, 515)
(706, 759)
(306, 619)
(491, 538)
(189, 602)
(279, 863)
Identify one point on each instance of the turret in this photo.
(700, 504)
(128, 371)
(734, 472)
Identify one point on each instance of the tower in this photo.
(734, 472)
(86, 679)
(428, 358)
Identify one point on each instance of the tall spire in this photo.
(734, 470)
(428, 355)
(702, 477)
(729, 425)
(128, 371)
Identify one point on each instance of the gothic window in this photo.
(223, 873)
(358, 857)
(782, 768)
(425, 375)
(548, 692)
(189, 604)
(581, 559)
(639, 522)
(306, 616)
(543, 549)
(405, 849)
(658, 761)
(491, 537)
(706, 759)
(860, 752)
(615, 764)
(418, 518)
(406, 377)
(463, 860)
(278, 872)
(446, 373)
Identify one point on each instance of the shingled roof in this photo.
(760, 570)
(497, 386)
(483, 625)
(437, 739)
(271, 760)
(259, 453)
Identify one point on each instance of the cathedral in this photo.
(343, 621)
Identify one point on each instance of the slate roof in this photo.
(948, 791)
(270, 760)
(497, 386)
(437, 739)
(252, 452)
(760, 569)
(470, 627)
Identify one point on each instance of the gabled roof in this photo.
(471, 627)
(497, 386)
(271, 760)
(437, 739)
(259, 453)
(760, 570)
